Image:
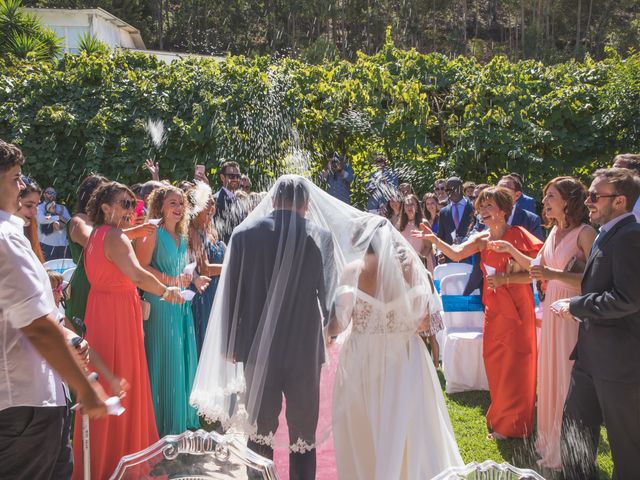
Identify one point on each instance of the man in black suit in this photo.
(225, 218)
(280, 272)
(605, 380)
(457, 216)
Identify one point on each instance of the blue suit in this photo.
(527, 203)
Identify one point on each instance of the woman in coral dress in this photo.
(509, 340)
(562, 261)
(114, 330)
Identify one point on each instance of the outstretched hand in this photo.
(500, 246)
(153, 168)
(424, 233)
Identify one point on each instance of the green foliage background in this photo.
(430, 114)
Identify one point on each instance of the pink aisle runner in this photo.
(326, 457)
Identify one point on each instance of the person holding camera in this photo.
(52, 218)
(338, 175)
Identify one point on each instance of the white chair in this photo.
(59, 265)
(196, 455)
(446, 269)
(462, 361)
(489, 470)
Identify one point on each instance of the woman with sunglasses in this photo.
(28, 211)
(114, 328)
(170, 339)
(509, 338)
(562, 261)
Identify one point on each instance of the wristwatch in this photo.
(165, 294)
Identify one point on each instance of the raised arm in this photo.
(80, 230)
(454, 252)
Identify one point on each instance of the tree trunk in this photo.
(578, 33)
(522, 29)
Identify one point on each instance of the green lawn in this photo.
(467, 411)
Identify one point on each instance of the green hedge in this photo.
(431, 115)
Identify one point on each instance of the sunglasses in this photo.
(594, 197)
(232, 175)
(128, 204)
(48, 192)
(439, 189)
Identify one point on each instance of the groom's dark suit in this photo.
(280, 271)
(605, 380)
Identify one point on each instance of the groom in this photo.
(281, 272)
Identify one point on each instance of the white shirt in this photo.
(636, 210)
(513, 211)
(56, 238)
(26, 379)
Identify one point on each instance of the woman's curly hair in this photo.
(105, 194)
(156, 199)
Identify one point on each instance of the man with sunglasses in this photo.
(455, 219)
(52, 220)
(224, 217)
(605, 379)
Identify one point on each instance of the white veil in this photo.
(289, 256)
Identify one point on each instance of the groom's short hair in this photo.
(290, 193)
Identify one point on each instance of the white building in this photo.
(71, 24)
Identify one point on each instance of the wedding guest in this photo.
(605, 379)
(28, 211)
(393, 209)
(509, 340)
(405, 189)
(113, 319)
(338, 175)
(381, 184)
(34, 356)
(79, 230)
(524, 201)
(410, 220)
(519, 216)
(439, 187)
(456, 217)
(52, 218)
(208, 250)
(169, 338)
(632, 162)
(431, 210)
(467, 190)
(225, 198)
(245, 184)
(562, 260)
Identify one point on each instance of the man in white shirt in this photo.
(632, 162)
(52, 226)
(34, 416)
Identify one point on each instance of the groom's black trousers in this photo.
(301, 389)
(590, 403)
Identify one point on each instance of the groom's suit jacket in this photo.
(259, 282)
(608, 344)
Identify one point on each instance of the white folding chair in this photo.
(446, 269)
(59, 265)
(68, 273)
(462, 361)
(488, 469)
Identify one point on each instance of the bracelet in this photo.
(165, 294)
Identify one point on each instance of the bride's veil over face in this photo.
(293, 263)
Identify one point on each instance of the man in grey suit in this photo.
(605, 380)
(281, 276)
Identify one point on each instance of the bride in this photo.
(389, 416)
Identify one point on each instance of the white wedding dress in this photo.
(389, 416)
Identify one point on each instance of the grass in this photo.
(467, 411)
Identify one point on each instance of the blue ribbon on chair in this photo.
(462, 303)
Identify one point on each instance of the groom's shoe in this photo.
(302, 466)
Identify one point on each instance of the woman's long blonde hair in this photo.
(156, 199)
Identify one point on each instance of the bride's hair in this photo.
(290, 193)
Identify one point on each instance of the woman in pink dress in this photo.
(114, 330)
(562, 261)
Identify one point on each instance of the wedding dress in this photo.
(389, 416)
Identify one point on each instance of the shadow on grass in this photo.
(476, 399)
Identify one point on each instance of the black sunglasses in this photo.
(49, 192)
(594, 197)
(232, 175)
(128, 204)
(439, 188)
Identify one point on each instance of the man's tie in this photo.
(598, 239)
(456, 215)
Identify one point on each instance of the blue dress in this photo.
(171, 345)
(202, 302)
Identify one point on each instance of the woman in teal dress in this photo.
(207, 250)
(169, 333)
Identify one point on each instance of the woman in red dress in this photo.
(509, 340)
(114, 330)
